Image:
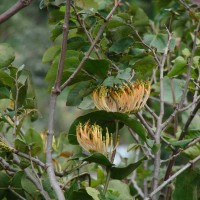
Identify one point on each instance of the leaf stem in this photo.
(112, 156)
(107, 181)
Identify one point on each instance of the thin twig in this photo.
(146, 45)
(81, 22)
(151, 111)
(85, 174)
(179, 106)
(182, 135)
(32, 179)
(197, 89)
(144, 148)
(35, 160)
(146, 125)
(6, 166)
(190, 105)
(192, 143)
(16, 194)
(156, 172)
(169, 180)
(14, 9)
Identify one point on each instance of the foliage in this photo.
(132, 47)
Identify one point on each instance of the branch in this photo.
(6, 166)
(145, 149)
(33, 179)
(146, 45)
(16, 194)
(190, 105)
(190, 118)
(192, 143)
(151, 111)
(156, 172)
(183, 133)
(14, 9)
(78, 69)
(32, 159)
(85, 174)
(169, 180)
(90, 38)
(179, 106)
(54, 93)
(146, 125)
(81, 22)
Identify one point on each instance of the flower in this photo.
(127, 98)
(91, 139)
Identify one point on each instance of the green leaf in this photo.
(193, 151)
(196, 60)
(50, 54)
(47, 186)
(4, 93)
(22, 93)
(69, 192)
(71, 62)
(29, 188)
(77, 43)
(20, 144)
(182, 143)
(99, 159)
(93, 193)
(112, 195)
(55, 15)
(24, 163)
(87, 103)
(6, 79)
(119, 188)
(34, 140)
(121, 45)
(106, 119)
(122, 172)
(97, 68)
(81, 195)
(178, 88)
(133, 147)
(86, 4)
(186, 186)
(110, 81)
(179, 67)
(56, 31)
(4, 183)
(131, 123)
(100, 178)
(7, 55)
(125, 74)
(77, 92)
(159, 42)
(15, 184)
(143, 65)
(140, 17)
(186, 52)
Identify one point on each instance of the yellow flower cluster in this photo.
(91, 139)
(127, 98)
